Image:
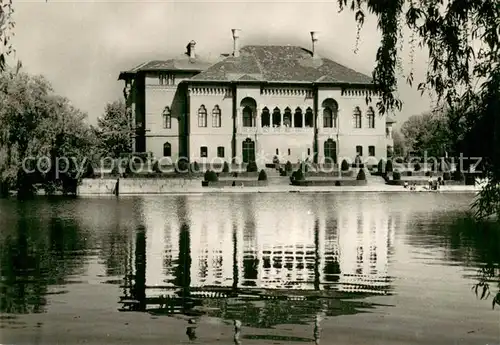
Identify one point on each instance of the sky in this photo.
(81, 46)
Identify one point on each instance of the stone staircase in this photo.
(373, 180)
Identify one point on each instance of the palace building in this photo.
(254, 104)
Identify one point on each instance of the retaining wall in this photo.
(136, 186)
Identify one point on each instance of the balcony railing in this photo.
(275, 130)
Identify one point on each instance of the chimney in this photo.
(314, 38)
(190, 49)
(236, 40)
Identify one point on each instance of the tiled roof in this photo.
(247, 77)
(181, 63)
(280, 64)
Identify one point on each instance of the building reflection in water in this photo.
(255, 242)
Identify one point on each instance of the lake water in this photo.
(365, 268)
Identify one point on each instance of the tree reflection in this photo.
(475, 243)
(34, 255)
(483, 240)
(183, 269)
(139, 289)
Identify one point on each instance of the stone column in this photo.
(238, 120)
(304, 108)
(320, 119)
(258, 118)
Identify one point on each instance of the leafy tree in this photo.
(114, 130)
(399, 143)
(6, 26)
(428, 133)
(35, 122)
(463, 46)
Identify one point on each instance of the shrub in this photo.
(388, 166)
(225, 168)
(396, 176)
(276, 160)
(361, 175)
(262, 175)
(116, 171)
(446, 176)
(417, 166)
(288, 166)
(444, 166)
(428, 173)
(409, 173)
(297, 176)
(128, 167)
(357, 160)
(344, 166)
(181, 166)
(282, 172)
(337, 183)
(211, 176)
(252, 167)
(458, 175)
(195, 167)
(381, 166)
(304, 167)
(89, 170)
(156, 167)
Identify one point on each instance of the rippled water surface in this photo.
(360, 268)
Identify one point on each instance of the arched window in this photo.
(167, 150)
(327, 118)
(276, 117)
(330, 112)
(309, 118)
(248, 150)
(216, 117)
(370, 114)
(330, 150)
(357, 117)
(297, 118)
(287, 117)
(265, 120)
(202, 116)
(167, 118)
(247, 117)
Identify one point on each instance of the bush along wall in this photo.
(396, 176)
(252, 167)
(361, 175)
(297, 176)
(262, 175)
(344, 166)
(388, 166)
(381, 166)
